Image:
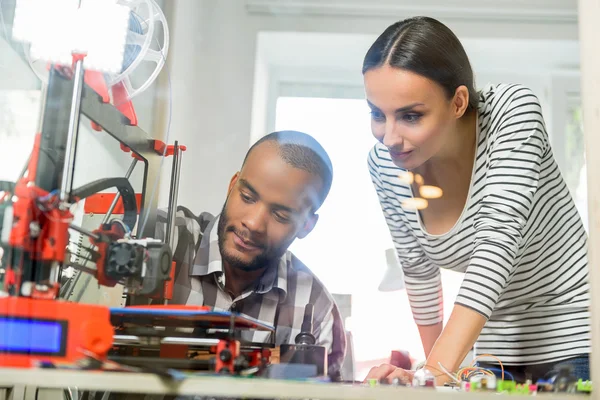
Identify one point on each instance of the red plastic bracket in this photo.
(127, 150)
(159, 148)
(100, 203)
(122, 104)
(95, 80)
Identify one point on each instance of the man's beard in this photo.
(266, 258)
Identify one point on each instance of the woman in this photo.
(506, 218)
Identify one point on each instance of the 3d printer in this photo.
(36, 326)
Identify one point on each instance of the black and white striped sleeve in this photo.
(518, 146)
(422, 279)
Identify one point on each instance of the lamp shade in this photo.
(393, 278)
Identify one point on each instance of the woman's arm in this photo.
(453, 345)
(429, 335)
(519, 151)
(449, 350)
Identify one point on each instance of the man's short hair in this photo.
(304, 152)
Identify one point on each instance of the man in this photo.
(243, 264)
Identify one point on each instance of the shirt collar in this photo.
(208, 261)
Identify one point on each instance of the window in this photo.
(347, 248)
(575, 174)
(566, 136)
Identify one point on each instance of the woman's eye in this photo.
(377, 116)
(411, 118)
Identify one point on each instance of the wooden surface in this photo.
(226, 386)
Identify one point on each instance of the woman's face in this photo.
(411, 115)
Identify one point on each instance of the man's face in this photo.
(268, 206)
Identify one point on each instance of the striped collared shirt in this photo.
(278, 298)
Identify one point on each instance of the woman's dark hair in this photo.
(426, 47)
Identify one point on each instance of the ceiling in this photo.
(537, 11)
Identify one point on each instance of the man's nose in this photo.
(256, 220)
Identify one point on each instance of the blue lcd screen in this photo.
(30, 336)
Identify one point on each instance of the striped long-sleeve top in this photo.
(520, 241)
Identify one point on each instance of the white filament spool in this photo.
(152, 50)
(143, 46)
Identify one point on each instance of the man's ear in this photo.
(309, 225)
(233, 181)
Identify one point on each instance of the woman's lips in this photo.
(400, 155)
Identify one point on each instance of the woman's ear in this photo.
(460, 102)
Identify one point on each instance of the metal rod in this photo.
(43, 99)
(68, 169)
(55, 272)
(118, 195)
(83, 268)
(90, 250)
(84, 231)
(173, 198)
(133, 339)
(173, 195)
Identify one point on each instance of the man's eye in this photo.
(284, 219)
(246, 198)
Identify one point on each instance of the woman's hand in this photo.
(390, 372)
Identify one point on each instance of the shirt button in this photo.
(233, 305)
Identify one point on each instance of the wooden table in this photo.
(51, 384)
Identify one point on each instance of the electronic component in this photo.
(143, 265)
(512, 387)
(33, 330)
(305, 351)
(423, 378)
(483, 382)
(564, 380)
(584, 386)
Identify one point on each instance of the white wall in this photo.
(212, 63)
(15, 74)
